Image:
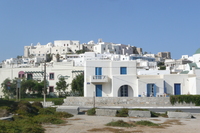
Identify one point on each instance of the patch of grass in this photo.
(122, 113)
(177, 110)
(63, 115)
(172, 122)
(47, 119)
(156, 119)
(146, 123)
(138, 109)
(119, 123)
(108, 129)
(20, 126)
(58, 102)
(154, 114)
(91, 111)
(47, 111)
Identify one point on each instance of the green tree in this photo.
(78, 84)
(48, 57)
(57, 57)
(27, 85)
(80, 51)
(9, 87)
(61, 85)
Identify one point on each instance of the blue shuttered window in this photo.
(123, 70)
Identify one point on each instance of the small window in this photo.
(51, 76)
(123, 70)
(51, 89)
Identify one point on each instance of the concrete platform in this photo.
(69, 109)
(105, 112)
(186, 115)
(135, 113)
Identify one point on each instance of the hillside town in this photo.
(110, 69)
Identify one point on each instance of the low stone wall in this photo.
(105, 112)
(186, 115)
(135, 113)
(121, 101)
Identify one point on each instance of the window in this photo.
(123, 70)
(29, 76)
(124, 91)
(51, 89)
(51, 76)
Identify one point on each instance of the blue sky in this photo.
(153, 25)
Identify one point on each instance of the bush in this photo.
(58, 102)
(35, 128)
(25, 108)
(122, 113)
(47, 119)
(63, 115)
(185, 98)
(20, 126)
(37, 105)
(91, 111)
(146, 123)
(47, 111)
(119, 123)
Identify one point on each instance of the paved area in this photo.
(87, 124)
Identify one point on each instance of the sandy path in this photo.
(85, 124)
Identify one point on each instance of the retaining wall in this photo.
(122, 101)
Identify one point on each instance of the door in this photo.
(151, 90)
(98, 72)
(177, 89)
(98, 90)
(124, 91)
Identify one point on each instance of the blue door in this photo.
(98, 90)
(148, 90)
(177, 89)
(151, 90)
(98, 72)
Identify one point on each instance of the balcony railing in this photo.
(99, 79)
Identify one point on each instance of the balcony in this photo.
(98, 79)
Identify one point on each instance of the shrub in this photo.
(37, 105)
(47, 119)
(63, 115)
(140, 109)
(122, 113)
(119, 123)
(146, 123)
(154, 114)
(25, 108)
(58, 102)
(185, 98)
(47, 111)
(35, 128)
(91, 111)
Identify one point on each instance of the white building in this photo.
(121, 79)
(54, 71)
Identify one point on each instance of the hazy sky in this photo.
(153, 25)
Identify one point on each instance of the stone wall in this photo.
(121, 101)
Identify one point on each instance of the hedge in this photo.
(185, 98)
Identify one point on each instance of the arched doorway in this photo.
(125, 91)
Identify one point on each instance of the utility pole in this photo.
(44, 83)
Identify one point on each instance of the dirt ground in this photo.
(91, 124)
